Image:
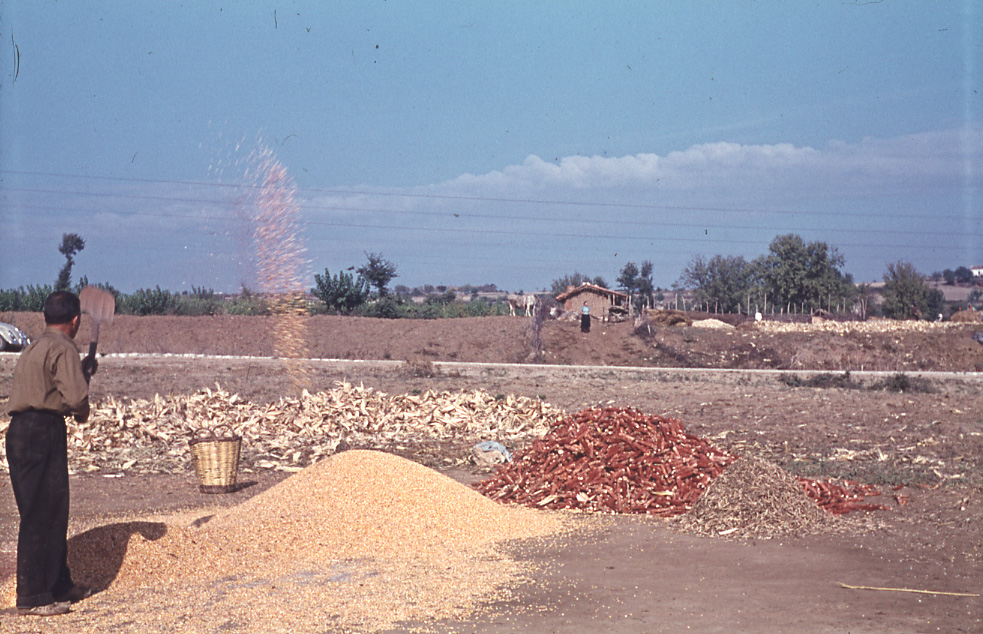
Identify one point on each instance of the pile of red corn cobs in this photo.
(611, 460)
(841, 499)
(618, 460)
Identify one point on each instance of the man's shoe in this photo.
(52, 609)
(76, 594)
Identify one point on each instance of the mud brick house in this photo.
(603, 302)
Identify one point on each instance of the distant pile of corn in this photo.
(869, 327)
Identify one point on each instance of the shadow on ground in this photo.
(96, 556)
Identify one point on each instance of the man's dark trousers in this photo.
(37, 454)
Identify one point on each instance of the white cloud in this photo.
(870, 197)
(872, 164)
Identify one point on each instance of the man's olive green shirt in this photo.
(48, 377)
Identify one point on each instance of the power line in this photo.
(445, 215)
(535, 201)
(705, 239)
(489, 237)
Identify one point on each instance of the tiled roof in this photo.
(587, 286)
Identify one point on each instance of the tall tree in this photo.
(646, 288)
(721, 283)
(628, 278)
(378, 272)
(342, 293)
(637, 282)
(963, 275)
(796, 273)
(907, 295)
(71, 244)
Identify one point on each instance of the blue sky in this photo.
(486, 142)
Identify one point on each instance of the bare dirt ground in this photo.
(908, 417)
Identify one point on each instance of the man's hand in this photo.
(81, 414)
(89, 367)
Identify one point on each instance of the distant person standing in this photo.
(50, 382)
(585, 318)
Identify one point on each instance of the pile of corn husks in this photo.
(151, 436)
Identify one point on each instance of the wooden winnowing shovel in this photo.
(101, 306)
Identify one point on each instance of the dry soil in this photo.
(899, 408)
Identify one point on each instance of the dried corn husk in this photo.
(151, 435)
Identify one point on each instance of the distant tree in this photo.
(865, 299)
(201, 292)
(800, 274)
(637, 282)
(386, 308)
(71, 244)
(378, 272)
(30, 299)
(445, 297)
(342, 293)
(963, 275)
(646, 288)
(155, 301)
(907, 295)
(949, 277)
(721, 283)
(628, 278)
(561, 284)
(106, 286)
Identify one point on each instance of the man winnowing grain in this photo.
(50, 382)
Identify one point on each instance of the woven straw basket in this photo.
(216, 457)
